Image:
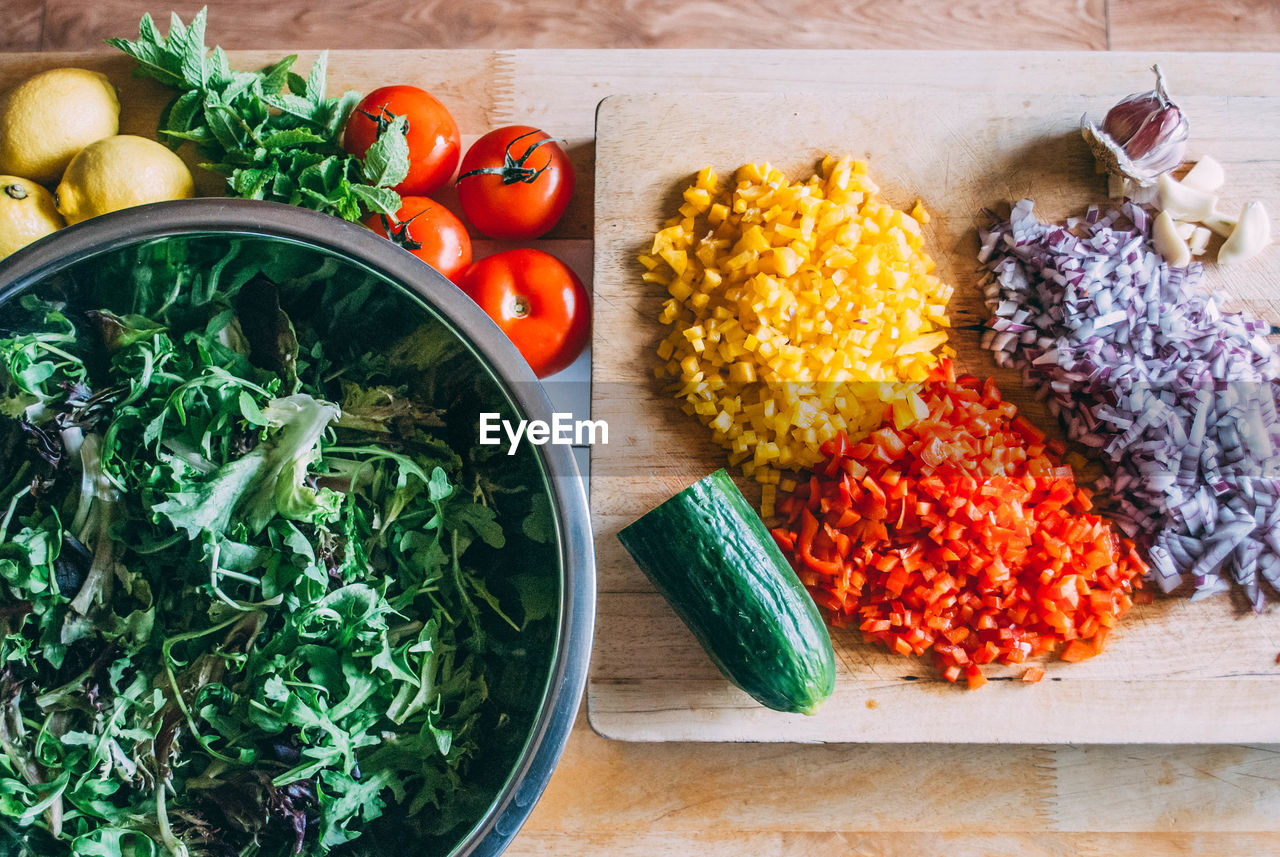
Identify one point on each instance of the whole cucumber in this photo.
(709, 554)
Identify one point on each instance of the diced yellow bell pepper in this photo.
(799, 309)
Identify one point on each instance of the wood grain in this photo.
(1024, 24)
(1181, 25)
(1193, 25)
(1182, 789)
(963, 155)
(564, 94)
(675, 788)
(891, 844)
(20, 28)
(637, 800)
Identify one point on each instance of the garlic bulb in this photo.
(1142, 137)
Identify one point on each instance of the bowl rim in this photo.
(567, 678)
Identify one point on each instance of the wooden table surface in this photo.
(654, 800)
(1057, 25)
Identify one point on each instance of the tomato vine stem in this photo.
(513, 170)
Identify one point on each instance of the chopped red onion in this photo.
(1178, 396)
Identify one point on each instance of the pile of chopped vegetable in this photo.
(260, 590)
(1179, 396)
(798, 309)
(960, 533)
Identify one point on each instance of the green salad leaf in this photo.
(260, 591)
(266, 481)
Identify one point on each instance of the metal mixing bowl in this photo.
(88, 243)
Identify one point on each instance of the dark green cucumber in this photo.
(711, 557)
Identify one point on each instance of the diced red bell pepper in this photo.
(962, 533)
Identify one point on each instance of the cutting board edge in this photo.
(756, 724)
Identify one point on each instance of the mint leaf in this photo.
(315, 86)
(194, 69)
(164, 59)
(291, 137)
(387, 162)
(378, 200)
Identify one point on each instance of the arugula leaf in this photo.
(347, 800)
(539, 525)
(112, 842)
(36, 367)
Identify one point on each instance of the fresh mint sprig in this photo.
(272, 133)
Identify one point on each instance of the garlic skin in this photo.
(1142, 137)
(1116, 186)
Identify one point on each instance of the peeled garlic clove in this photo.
(1184, 229)
(1199, 241)
(1219, 223)
(1252, 233)
(1183, 202)
(1206, 175)
(1164, 235)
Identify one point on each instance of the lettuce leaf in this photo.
(268, 480)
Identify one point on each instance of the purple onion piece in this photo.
(1177, 396)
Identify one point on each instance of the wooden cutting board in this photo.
(1175, 672)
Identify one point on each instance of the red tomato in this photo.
(539, 303)
(429, 231)
(515, 183)
(434, 143)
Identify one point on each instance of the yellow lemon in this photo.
(120, 172)
(47, 118)
(27, 212)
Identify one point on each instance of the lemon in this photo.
(120, 172)
(47, 118)
(27, 212)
